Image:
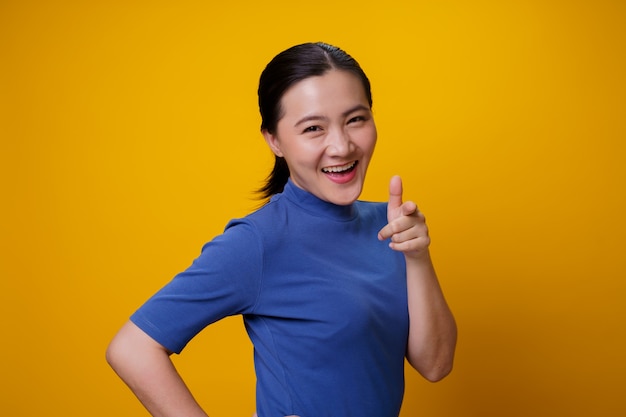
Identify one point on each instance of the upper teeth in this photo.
(339, 168)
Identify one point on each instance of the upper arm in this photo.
(224, 280)
(129, 343)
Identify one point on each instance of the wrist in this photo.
(422, 255)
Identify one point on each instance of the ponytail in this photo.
(276, 181)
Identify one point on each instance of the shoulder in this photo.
(257, 221)
(259, 227)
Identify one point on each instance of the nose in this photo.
(339, 143)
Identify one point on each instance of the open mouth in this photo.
(340, 169)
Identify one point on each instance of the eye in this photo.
(357, 119)
(312, 129)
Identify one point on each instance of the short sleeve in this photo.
(223, 281)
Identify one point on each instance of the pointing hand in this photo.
(406, 224)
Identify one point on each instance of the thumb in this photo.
(395, 193)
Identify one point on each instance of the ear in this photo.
(272, 142)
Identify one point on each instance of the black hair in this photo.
(283, 71)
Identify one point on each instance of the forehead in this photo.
(333, 90)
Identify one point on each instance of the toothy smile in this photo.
(341, 168)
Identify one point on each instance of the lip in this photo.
(340, 168)
(343, 176)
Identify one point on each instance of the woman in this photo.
(335, 292)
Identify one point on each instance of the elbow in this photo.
(434, 371)
(437, 373)
(436, 363)
(434, 358)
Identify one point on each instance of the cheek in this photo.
(303, 154)
(367, 142)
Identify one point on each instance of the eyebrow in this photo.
(314, 117)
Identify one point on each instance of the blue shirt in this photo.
(324, 303)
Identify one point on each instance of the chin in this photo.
(345, 198)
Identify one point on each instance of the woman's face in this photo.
(327, 135)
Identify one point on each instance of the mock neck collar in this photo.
(316, 206)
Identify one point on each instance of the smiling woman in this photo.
(326, 135)
(331, 325)
(281, 74)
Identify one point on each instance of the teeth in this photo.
(340, 168)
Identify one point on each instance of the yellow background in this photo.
(129, 137)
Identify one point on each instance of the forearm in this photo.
(432, 332)
(147, 369)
